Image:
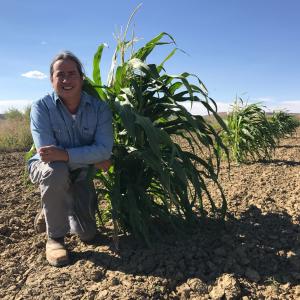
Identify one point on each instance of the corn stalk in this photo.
(250, 134)
(153, 180)
(283, 124)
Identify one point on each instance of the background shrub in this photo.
(15, 131)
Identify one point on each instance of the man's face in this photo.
(66, 80)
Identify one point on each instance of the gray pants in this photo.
(68, 199)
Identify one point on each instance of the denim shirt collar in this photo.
(84, 98)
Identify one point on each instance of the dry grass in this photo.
(14, 135)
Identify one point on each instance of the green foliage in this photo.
(253, 135)
(283, 124)
(250, 133)
(30, 153)
(153, 180)
(13, 114)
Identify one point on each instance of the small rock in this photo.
(271, 292)
(197, 286)
(12, 288)
(252, 275)
(102, 294)
(14, 221)
(97, 275)
(286, 286)
(281, 253)
(39, 244)
(115, 281)
(217, 293)
(183, 291)
(290, 254)
(14, 235)
(127, 283)
(226, 286)
(4, 229)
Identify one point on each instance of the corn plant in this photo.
(153, 181)
(283, 124)
(250, 134)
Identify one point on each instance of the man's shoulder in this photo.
(96, 102)
(44, 101)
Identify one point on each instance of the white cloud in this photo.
(19, 104)
(292, 106)
(35, 75)
(264, 99)
(199, 109)
(270, 104)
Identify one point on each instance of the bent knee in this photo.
(56, 173)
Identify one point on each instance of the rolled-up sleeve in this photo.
(101, 148)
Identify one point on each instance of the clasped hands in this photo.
(53, 153)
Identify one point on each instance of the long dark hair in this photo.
(67, 55)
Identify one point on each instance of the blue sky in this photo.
(247, 48)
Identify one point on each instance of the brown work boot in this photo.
(56, 252)
(39, 222)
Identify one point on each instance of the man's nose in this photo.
(65, 78)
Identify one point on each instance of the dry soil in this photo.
(255, 254)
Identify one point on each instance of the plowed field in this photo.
(254, 255)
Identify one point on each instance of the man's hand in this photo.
(52, 153)
(103, 165)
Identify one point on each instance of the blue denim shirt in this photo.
(88, 138)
